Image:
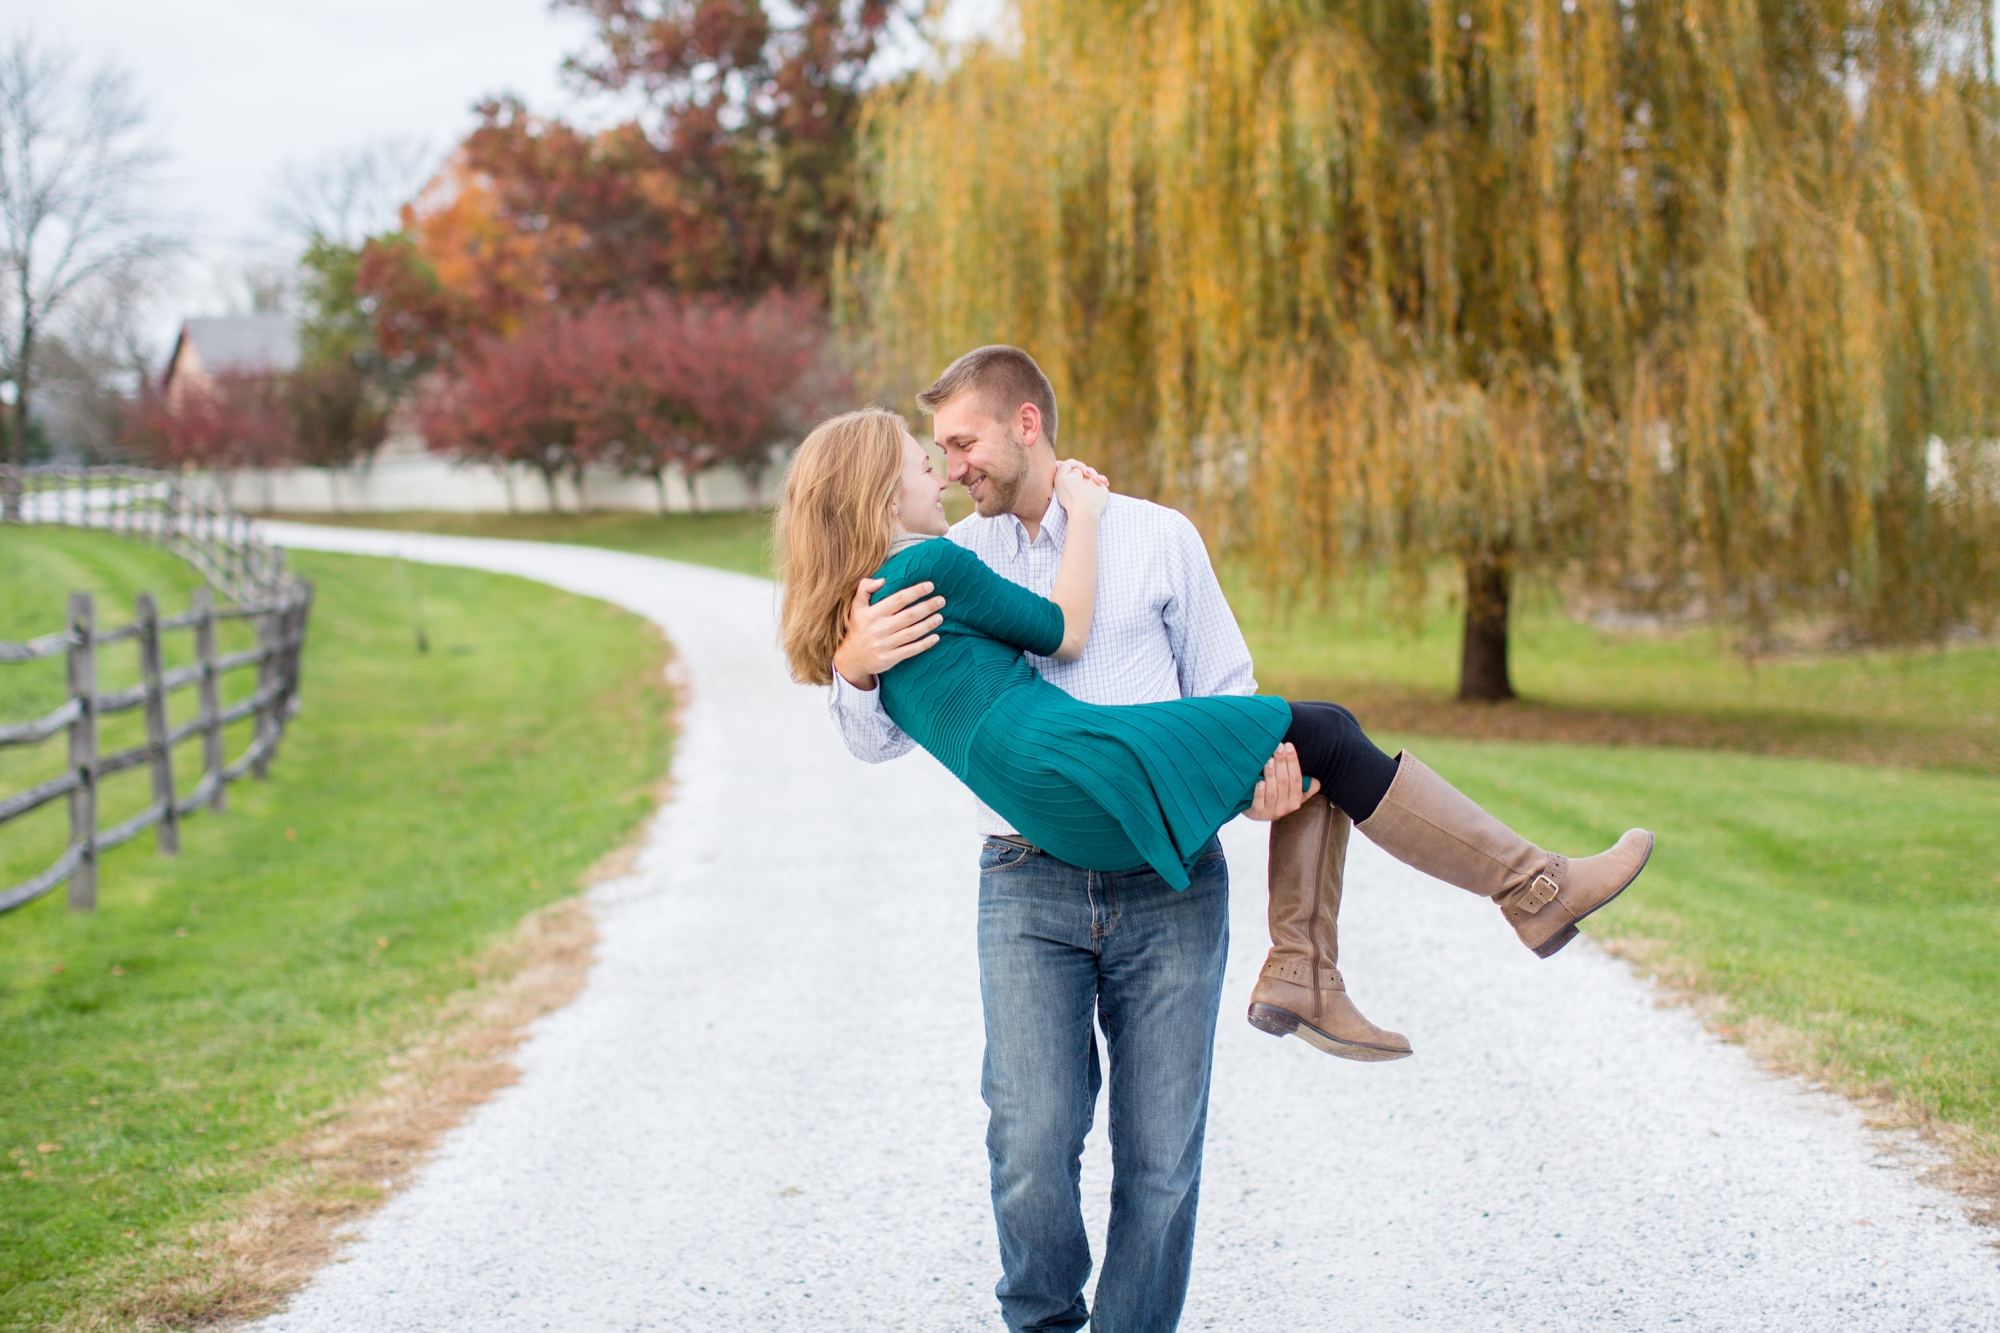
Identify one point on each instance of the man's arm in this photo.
(1208, 648)
(864, 726)
(879, 635)
(1213, 659)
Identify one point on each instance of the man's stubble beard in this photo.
(1000, 492)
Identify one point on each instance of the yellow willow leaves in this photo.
(1698, 295)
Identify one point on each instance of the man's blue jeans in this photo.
(1057, 947)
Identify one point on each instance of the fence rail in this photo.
(191, 520)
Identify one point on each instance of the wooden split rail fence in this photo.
(189, 519)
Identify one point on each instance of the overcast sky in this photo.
(239, 89)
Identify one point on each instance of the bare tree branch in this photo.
(77, 228)
(348, 196)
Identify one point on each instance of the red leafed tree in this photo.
(514, 399)
(649, 385)
(721, 382)
(739, 177)
(754, 120)
(220, 423)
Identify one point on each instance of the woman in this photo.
(1115, 788)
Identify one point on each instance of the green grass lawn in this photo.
(738, 541)
(1851, 910)
(220, 1005)
(1856, 908)
(1921, 707)
(36, 576)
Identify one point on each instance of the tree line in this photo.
(1691, 301)
(650, 297)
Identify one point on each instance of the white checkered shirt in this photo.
(1162, 631)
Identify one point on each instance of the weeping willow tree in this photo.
(1695, 297)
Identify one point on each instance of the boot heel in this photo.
(1554, 946)
(1269, 1018)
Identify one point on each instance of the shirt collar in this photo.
(1055, 525)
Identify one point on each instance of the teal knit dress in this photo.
(1104, 787)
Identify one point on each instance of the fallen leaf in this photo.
(182, 932)
(57, 970)
(48, 1147)
(117, 970)
(381, 941)
(291, 835)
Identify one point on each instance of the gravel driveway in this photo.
(763, 1110)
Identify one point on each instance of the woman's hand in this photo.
(1081, 490)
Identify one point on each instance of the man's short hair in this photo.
(1003, 377)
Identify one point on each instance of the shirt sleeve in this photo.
(1208, 648)
(981, 600)
(864, 725)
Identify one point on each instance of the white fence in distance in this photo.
(403, 482)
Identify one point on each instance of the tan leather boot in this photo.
(1426, 822)
(1300, 989)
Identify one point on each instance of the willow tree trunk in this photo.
(1482, 671)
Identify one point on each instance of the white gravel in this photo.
(763, 1111)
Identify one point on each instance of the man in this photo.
(1060, 946)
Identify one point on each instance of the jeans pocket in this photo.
(998, 857)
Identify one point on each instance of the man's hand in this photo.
(1278, 792)
(883, 633)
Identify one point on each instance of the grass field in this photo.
(159, 1059)
(738, 541)
(1923, 707)
(1829, 857)
(1850, 914)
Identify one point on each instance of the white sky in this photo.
(240, 88)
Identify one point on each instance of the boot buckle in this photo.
(1539, 894)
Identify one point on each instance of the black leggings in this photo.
(1353, 772)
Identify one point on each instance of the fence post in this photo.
(295, 639)
(170, 526)
(212, 759)
(83, 750)
(169, 827)
(270, 638)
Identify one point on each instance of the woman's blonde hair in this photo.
(834, 529)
